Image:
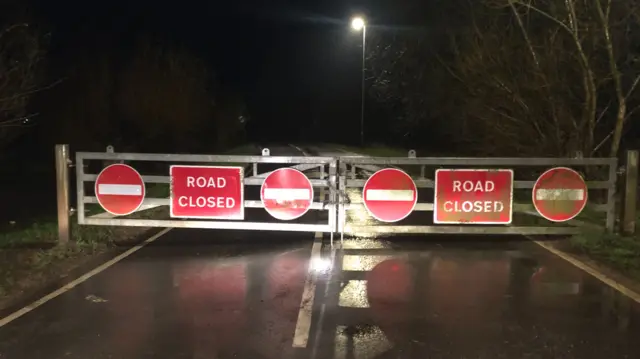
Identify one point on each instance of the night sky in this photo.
(294, 62)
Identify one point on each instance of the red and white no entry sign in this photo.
(119, 189)
(286, 194)
(390, 195)
(473, 196)
(210, 192)
(560, 194)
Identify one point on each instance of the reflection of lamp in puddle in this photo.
(320, 264)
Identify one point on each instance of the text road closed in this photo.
(473, 196)
(207, 192)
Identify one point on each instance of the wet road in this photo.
(237, 294)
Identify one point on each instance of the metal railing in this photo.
(342, 180)
(350, 166)
(326, 181)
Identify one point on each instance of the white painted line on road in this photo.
(559, 194)
(389, 195)
(20, 312)
(287, 194)
(303, 325)
(299, 150)
(120, 189)
(593, 271)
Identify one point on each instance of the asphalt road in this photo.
(238, 294)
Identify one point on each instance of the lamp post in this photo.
(358, 24)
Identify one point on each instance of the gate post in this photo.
(630, 194)
(62, 192)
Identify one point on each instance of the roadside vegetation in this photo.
(610, 249)
(30, 257)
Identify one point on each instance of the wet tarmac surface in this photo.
(237, 294)
(239, 297)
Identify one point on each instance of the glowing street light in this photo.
(357, 24)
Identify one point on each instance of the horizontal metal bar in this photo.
(462, 229)
(350, 183)
(302, 168)
(146, 201)
(143, 207)
(518, 207)
(263, 226)
(590, 184)
(164, 157)
(257, 181)
(165, 202)
(359, 183)
(360, 207)
(249, 181)
(146, 179)
(427, 183)
(478, 161)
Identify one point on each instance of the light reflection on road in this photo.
(425, 298)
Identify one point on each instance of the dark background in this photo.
(296, 64)
(445, 77)
(290, 71)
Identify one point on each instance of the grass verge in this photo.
(612, 250)
(30, 258)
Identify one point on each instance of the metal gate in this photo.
(324, 177)
(355, 170)
(341, 179)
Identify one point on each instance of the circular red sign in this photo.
(119, 189)
(390, 195)
(286, 194)
(560, 194)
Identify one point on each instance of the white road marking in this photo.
(594, 272)
(300, 150)
(389, 195)
(287, 194)
(354, 295)
(120, 189)
(303, 325)
(20, 312)
(559, 194)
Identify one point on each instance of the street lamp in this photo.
(357, 24)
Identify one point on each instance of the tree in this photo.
(542, 77)
(21, 53)
(169, 96)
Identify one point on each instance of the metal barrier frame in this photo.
(347, 179)
(341, 176)
(304, 163)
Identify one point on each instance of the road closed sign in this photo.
(473, 196)
(207, 192)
